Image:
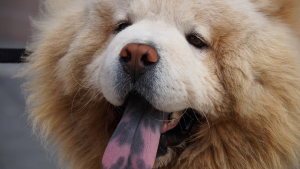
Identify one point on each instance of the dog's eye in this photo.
(195, 41)
(122, 26)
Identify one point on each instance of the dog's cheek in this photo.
(102, 76)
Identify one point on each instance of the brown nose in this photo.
(136, 59)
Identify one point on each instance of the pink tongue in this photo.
(134, 143)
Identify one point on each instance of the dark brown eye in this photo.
(195, 41)
(122, 26)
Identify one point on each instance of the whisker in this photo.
(72, 106)
(73, 101)
(88, 91)
(74, 77)
(200, 112)
(96, 94)
(194, 113)
(86, 104)
(168, 119)
(185, 112)
(181, 127)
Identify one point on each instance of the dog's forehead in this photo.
(185, 12)
(167, 10)
(180, 12)
(181, 8)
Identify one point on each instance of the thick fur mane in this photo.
(257, 126)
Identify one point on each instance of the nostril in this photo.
(145, 60)
(125, 59)
(125, 55)
(149, 57)
(128, 53)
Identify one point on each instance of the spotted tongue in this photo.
(135, 141)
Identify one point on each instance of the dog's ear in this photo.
(55, 6)
(286, 10)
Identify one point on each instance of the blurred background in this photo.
(19, 148)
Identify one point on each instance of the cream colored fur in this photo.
(245, 84)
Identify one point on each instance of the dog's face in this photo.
(183, 75)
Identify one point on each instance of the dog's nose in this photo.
(136, 59)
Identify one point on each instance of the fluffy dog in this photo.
(168, 84)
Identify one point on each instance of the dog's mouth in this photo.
(145, 133)
(175, 130)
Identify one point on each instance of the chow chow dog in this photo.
(210, 84)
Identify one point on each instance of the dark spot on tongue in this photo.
(118, 164)
(148, 123)
(135, 141)
(137, 150)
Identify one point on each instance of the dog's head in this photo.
(160, 54)
(167, 65)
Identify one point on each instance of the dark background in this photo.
(19, 148)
